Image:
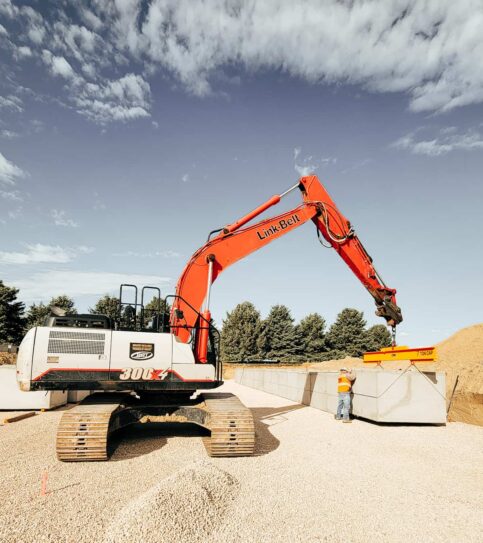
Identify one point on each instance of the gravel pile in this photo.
(188, 506)
(313, 480)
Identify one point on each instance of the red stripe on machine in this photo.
(50, 370)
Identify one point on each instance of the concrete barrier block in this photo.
(378, 394)
(319, 383)
(319, 401)
(13, 399)
(366, 382)
(413, 397)
(76, 396)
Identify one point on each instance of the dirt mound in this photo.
(7, 358)
(335, 365)
(461, 357)
(188, 506)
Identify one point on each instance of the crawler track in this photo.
(84, 431)
(231, 425)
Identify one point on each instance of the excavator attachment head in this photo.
(389, 311)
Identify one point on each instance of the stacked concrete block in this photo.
(379, 395)
(13, 399)
(294, 385)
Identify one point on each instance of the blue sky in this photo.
(129, 130)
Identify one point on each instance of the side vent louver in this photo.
(76, 343)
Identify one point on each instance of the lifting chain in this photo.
(393, 337)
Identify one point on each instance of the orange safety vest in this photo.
(343, 384)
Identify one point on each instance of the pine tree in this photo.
(152, 307)
(65, 303)
(239, 333)
(278, 338)
(107, 305)
(378, 336)
(12, 321)
(151, 310)
(347, 336)
(311, 332)
(37, 313)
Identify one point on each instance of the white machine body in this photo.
(53, 358)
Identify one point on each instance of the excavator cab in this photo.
(136, 314)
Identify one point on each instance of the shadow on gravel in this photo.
(140, 439)
(264, 418)
(398, 424)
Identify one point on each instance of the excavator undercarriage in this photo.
(84, 432)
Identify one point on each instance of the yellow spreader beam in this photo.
(402, 352)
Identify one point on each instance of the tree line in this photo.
(244, 335)
(16, 319)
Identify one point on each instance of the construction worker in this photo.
(344, 386)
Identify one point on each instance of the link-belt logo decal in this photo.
(281, 225)
(143, 374)
(141, 351)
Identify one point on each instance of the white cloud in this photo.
(23, 52)
(8, 134)
(91, 19)
(39, 253)
(162, 254)
(445, 142)
(309, 164)
(98, 204)
(105, 100)
(43, 285)
(430, 50)
(61, 67)
(9, 172)
(185, 178)
(8, 9)
(11, 102)
(61, 219)
(11, 195)
(123, 99)
(15, 213)
(36, 34)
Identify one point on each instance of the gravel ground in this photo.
(313, 480)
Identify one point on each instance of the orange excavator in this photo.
(149, 369)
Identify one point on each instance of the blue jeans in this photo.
(344, 405)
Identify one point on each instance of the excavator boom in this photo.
(233, 242)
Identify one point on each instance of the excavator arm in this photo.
(233, 243)
(339, 233)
